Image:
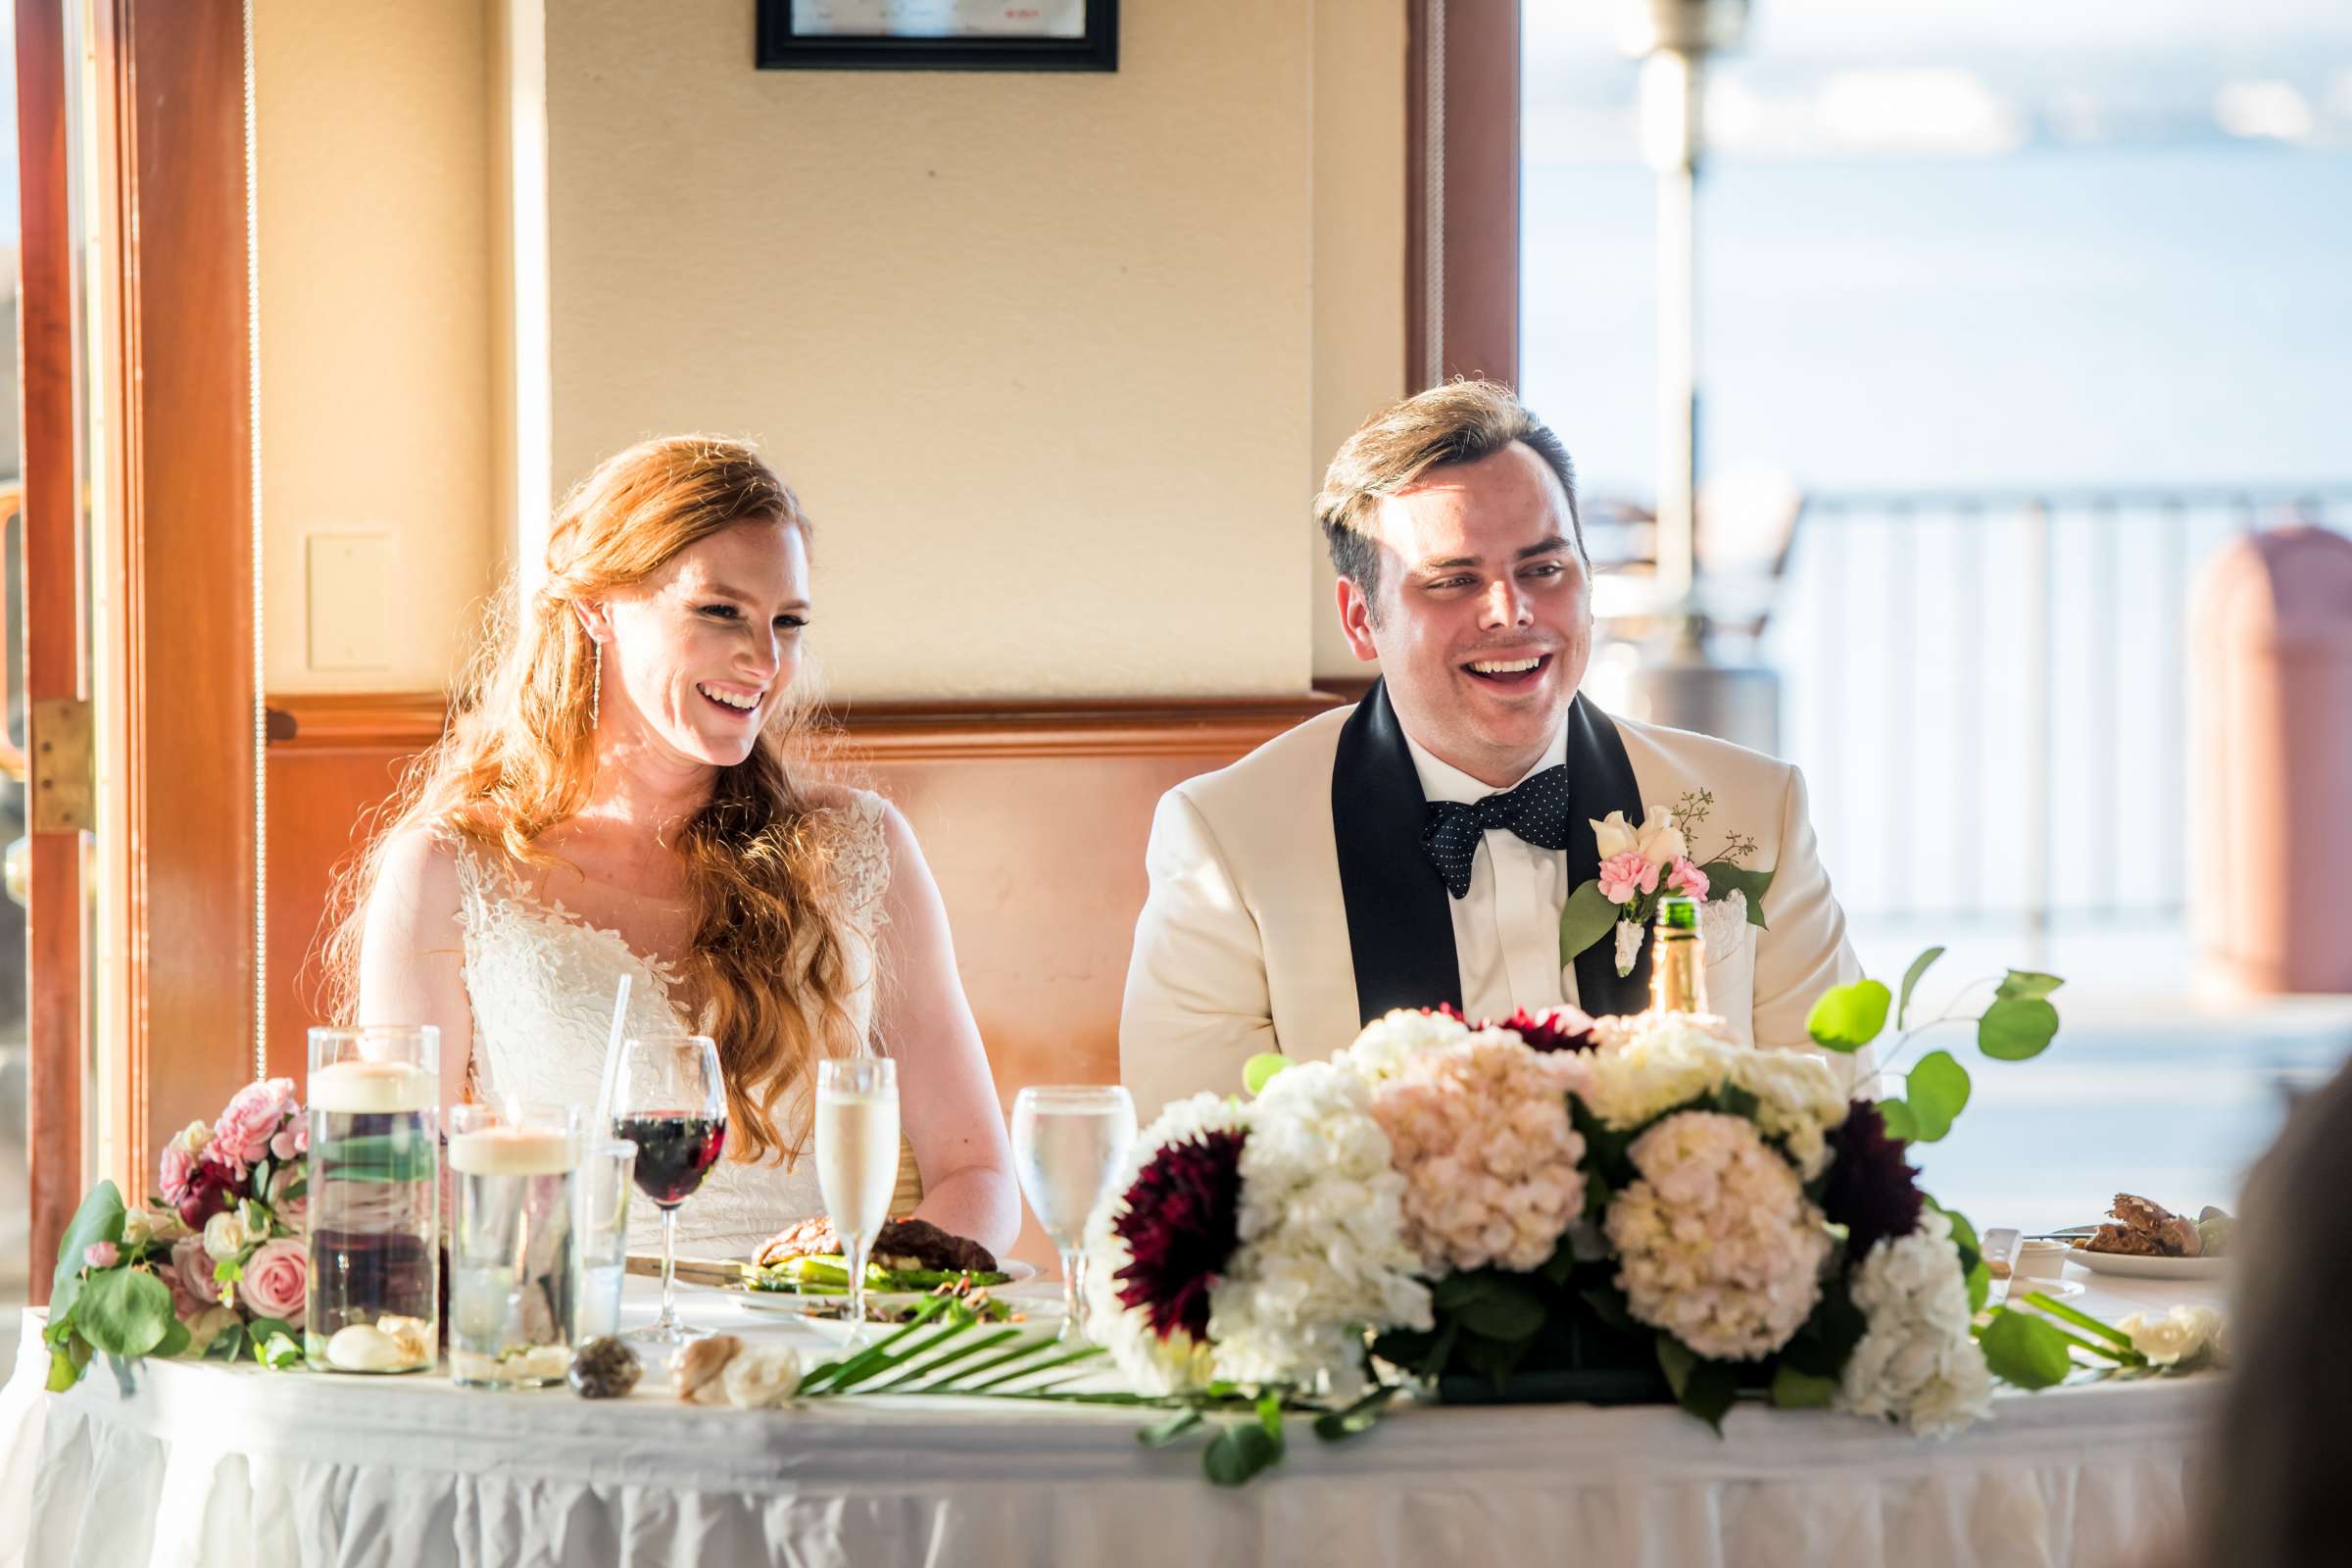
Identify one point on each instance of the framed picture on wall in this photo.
(939, 35)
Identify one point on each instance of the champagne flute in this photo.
(1068, 1144)
(670, 1101)
(857, 1159)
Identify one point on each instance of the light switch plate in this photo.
(351, 598)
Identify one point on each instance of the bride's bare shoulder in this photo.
(417, 872)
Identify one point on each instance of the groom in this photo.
(1421, 846)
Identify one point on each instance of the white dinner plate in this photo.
(2148, 1268)
(2020, 1284)
(1025, 1287)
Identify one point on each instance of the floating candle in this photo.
(513, 1151)
(373, 1088)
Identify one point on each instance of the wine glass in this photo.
(857, 1159)
(670, 1101)
(1068, 1144)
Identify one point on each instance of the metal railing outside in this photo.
(1989, 693)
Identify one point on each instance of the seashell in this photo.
(413, 1335)
(363, 1348)
(604, 1369)
(698, 1363)
(761, 1378)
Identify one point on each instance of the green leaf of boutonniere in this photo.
(1722, 876)
(1588, 918)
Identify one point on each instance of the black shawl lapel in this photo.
(1600, 780)
(1400, 928)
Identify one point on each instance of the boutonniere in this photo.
(1644, 862)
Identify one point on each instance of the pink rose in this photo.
(294, 1214)
(190, 1275)
(282, 1147)
(178, 1170)
(1688, 880)
(100, 1254)
(1625, 874)
(275, 1277)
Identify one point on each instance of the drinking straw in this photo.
(621, 1018)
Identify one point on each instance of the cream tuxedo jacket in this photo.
(1245, 942)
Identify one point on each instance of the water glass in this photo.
(857, 1159)
(1069, 1141)
(514, 1286)
(372, 1183)
(602, 1235)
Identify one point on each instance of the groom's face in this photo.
(1481, 617)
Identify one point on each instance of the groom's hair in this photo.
(1459, 422)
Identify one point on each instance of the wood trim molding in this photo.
(56, 1063)
(1461, 268)
(178, 845)
(876, 732)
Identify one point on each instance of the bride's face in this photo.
(698, 655)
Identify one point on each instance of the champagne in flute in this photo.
(1068, 1143)
(670, 1101)
(857, 1159)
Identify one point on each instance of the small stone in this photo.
(604, 1369)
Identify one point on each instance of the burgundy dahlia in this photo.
(1182, 1223)
(213, 1189)
(1557, 1030)
(1871, 1190)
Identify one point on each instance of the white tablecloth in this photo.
(196, 1463)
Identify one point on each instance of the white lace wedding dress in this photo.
(541, 981)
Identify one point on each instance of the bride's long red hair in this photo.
(770, 952)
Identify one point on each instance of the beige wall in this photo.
(1054, 359)
(1039, 351)
(374, 203)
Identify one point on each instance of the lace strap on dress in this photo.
(865, 864)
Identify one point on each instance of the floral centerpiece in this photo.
(215, 1265)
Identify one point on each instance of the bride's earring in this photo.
(596, 686)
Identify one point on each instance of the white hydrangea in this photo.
(1648, 1063)
(1917, 1362)
(1323, 1255)
(1394, 1039)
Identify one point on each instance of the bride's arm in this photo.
(412, 955)
(945, 1096)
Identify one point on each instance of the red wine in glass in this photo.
(675, 1150)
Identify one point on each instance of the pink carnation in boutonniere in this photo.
(1623, 877)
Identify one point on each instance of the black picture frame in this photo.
(782, 49)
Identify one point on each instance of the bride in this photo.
(614, 796)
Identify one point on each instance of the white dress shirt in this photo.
(1507, 930)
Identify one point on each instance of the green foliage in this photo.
(1159, 1434)
(123, 1311)
(1936, 1090)
(2025, 1350)
(1707, 1389)
(1260, 1070)
(98, 1219)
(1848, 1017)
(2024, 985)
(1588, 917)
(1238, 1452)
(2016, 1028)
(1897, 1119)
(1792, 1390)
(1919, 966)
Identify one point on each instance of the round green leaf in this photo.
(98, 1219)
(1848, 1017)
(1936, 1089)
(2026, 985)
(1508, 1311)
(1238, 1453)
(2025, 1350)
(1897, 1119)
(1260, 1070)
(2016, 1029)
(124, 1311)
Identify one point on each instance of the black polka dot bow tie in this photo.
(1536, 811)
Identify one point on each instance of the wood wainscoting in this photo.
(1032, 816)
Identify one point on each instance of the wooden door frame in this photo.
(172, 351)
(1461, 195)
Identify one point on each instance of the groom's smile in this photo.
(1479, 610)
